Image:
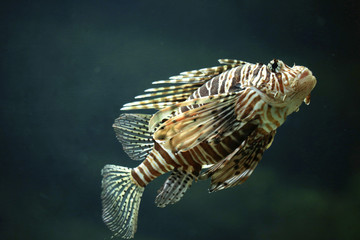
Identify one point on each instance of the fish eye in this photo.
(275, 65)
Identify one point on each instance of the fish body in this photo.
(224, 117)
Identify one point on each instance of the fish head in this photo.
(297, 82)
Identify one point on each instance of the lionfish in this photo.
(211, 123)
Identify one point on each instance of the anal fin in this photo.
(174, 188)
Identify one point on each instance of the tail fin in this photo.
(120, 200)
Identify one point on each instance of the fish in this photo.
(213, 123)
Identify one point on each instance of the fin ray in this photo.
(181, 134)
(174, 188)
(132, 132)
(174, 93)
(237, 167)
(167, 92)
(121, 200)
(214, 120)
(164, 113)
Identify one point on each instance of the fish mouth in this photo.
(307, 78)
(306, 82)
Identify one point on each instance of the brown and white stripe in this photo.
(161, 160)
(240, 78)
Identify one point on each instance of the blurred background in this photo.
(68, 66)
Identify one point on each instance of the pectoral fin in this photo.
(174, 188)
(239, 165)
(212, 120)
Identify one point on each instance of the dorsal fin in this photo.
(174, 188)
(132, 131)
(160, 97)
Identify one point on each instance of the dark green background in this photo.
(68, 66)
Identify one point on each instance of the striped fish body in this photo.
(224, 117)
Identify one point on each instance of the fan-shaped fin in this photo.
(120, 200)
(212, 118)
(157, 103)
(184, 88)
(177, 93)
(184, 79)
(211, 71)
(186, 130)
(237, 167)
(132, 131)
(231, 62)
(174, 188)
(158, 117)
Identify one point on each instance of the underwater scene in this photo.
(180, 120)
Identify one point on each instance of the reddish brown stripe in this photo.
(273, 83)
(261, 76)
(151, 169)
(146, 177)
(256, 70)
(277, 111)
(270, 117)
(189, 156)
(221, 150)
(233, 81)
(210, 151)
(165, 155)
(241, 103)
(279, 77)
(286, 77)
(247, 73)
(262, 131)
(250, 107)
(292, 74)
(243, 95)
(267, 78)
(230, 143)
(267, 125)
(237, 136)
(185, 155)
(254, 101)
(237, 74)
(179, 157)
(198, 152)
(158, 162)
(137, 179)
